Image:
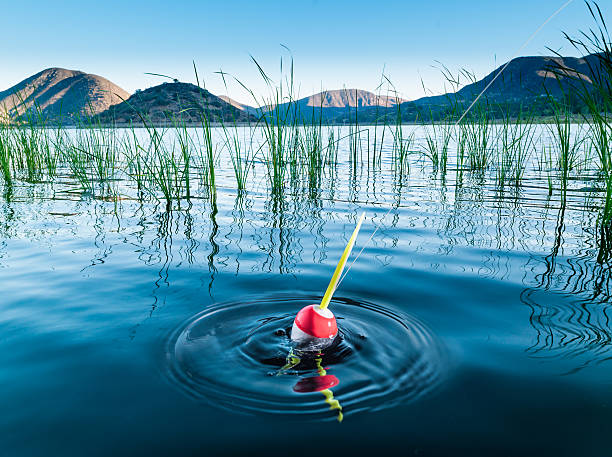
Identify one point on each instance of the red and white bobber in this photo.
(315, 327)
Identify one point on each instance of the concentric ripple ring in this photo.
(235, 355)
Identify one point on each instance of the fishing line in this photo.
(566, 4)
(523, 46)
(359, 253)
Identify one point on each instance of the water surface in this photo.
(475, 322)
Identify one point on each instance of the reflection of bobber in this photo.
(315, 325)
(321, 383)
(316, 383)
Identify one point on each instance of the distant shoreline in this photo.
(169, 125)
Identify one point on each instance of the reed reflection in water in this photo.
(443, 222)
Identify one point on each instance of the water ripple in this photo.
(232, 355)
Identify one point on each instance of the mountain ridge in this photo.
(524, 78)
(65, 95)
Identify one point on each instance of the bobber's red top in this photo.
(313, 322)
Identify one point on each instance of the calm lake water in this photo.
(476, 322)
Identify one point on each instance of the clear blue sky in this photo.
(334, 43)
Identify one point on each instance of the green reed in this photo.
(136, 158)
(402, 144)
(78, 164)
(100, 149)
(207, 154)
(354, 137)
(391, 94)
(29, 144)
(207, 150)
(377, 151)
(596, 95)
(240, 149)
(6, 158)
(28, 157)
(185, 145)
(566, 143)
(51, 154)
(461, 146)
(165, 168)
(437, 141)
(479, 131)
(278, 120)
(311, 147)
(330, 158)
(241, 153)
(156, 164)
(545, 164)
(515, 144)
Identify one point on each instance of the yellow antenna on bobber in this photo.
(331, 288)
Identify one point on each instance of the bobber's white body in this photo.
(300, 336)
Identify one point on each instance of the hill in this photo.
(349, 98)
(58, 94)
(526, 78)
(173, 101)
(334, 105)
